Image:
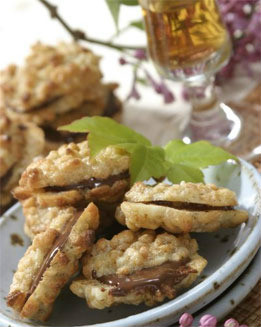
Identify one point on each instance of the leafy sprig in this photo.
(114, 7)
(177, 161)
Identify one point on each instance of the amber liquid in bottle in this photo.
(183, 33)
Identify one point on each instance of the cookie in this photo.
(55, 86)
(19, 143)
(39, 213)
(181, 208)
(70, 178)
(71, 174)
(51, 261)
(107, 105)
(71, 167)
(136, 267)
(49, 73)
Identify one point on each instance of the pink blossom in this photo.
(186, 320)
(122, 61)
(208, 321)
(140, 54)
(160, 88)
(231, 323)
(134, 94)
(167, 94)
(243, 20)
(152, 81)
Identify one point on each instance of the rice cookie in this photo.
(48, 74)
(51, 261)
(19, 143)
(136, 267)
(180, 208)
(72, 167)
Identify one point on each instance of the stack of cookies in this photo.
(153, 257)
(20, 142)
(55, 86)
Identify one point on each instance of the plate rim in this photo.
(249, 277)
(154, 315)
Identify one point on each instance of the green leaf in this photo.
(178, 161)
(198, 155)
(129, 2)
(178, 173)
(114, 7)
(147, 162)
(138, 24)
(104, 132)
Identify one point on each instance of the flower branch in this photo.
(241, 17)
(80, 35)
(137, 55)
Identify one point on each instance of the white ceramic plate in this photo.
(228, 253)
(234, 294)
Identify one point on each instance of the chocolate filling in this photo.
(40, 106)
(112, 106)
(189, 206)
(6, 177)
(51, 134)
(153, 279)
(58, 245)
(89, 183)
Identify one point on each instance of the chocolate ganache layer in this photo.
(189, 206)
(6, 177)
(112, 106)
(58, 245)
(153, 279)
(89, 183)
(53, 135)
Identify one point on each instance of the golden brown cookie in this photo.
(56, 85)
(49, 73)
(50, 261)
(71, 167)
(39, 213)
(106, 105)
(185, 207)
(135, 267)
(69, 178)
(19, 143)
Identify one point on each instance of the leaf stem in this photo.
(80, 35)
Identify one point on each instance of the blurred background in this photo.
(23, 22)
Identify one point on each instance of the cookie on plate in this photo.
(136, 267)
(19, 143)
(51, 261)
(180, 208)
(56, 85)
(69, 177)
(39, 214)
